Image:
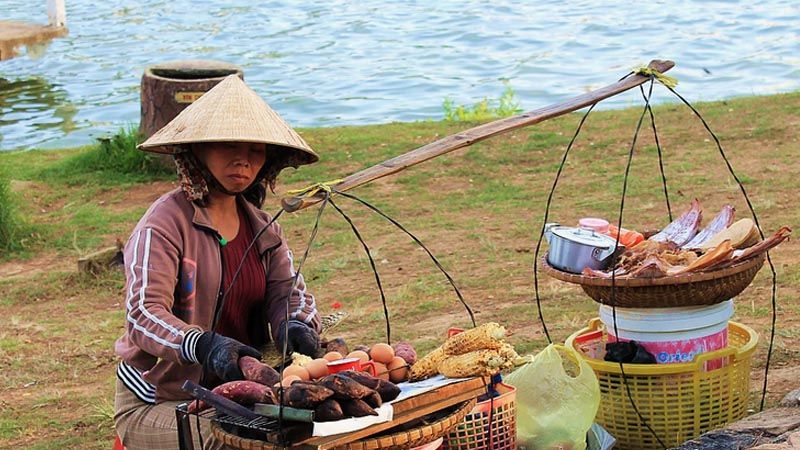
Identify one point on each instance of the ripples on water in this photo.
(344, 62)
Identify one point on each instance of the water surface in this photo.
(344, 62)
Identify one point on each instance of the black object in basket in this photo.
(691, 289)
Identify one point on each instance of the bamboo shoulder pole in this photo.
(476, 134)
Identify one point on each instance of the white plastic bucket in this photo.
(673, 335)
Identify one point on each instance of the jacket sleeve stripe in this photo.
(145, 262)
(133, 271)
(189, 345)
(141, 308)
(132, 380)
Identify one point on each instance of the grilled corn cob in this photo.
(477, 363)
(487, 336)
(300, 359)
(428, 366)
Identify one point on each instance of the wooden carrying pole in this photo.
(473, 135)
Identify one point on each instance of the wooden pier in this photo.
(14, 35)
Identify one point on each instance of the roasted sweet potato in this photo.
(362, 378)
(305, 395)
(388, 390)
(328, 410)
(255, 370)
(345, 388)
(246, 392)
(357, 408)
(374, 400)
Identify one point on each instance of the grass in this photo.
(485, 109)
(65, 186)
(9, 218)
(114, 160)
(478, 210)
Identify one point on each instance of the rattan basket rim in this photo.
(397, 439)
(411, 436)
(646, 282)
(739, 352)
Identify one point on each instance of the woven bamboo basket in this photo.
(691, 289)
(403, 439)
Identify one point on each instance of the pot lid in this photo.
(585, 237)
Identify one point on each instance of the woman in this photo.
(182, 256)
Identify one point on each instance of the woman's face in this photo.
(234, 164)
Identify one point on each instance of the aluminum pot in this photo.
(573, 249)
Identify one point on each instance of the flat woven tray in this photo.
(691, 289)
(435, 426)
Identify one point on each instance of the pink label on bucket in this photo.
(684, 351)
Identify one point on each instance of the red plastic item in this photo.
(118, 444)
(341, 365)
(454, 331)
(628, 238)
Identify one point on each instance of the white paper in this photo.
(413, 389)
(385, 414)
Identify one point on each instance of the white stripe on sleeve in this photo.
(145, 261)
(189, 345)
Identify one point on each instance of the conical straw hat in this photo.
(231, 112)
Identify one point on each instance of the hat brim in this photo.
(307, 156)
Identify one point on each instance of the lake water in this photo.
(322, 63)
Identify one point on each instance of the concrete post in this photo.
(56, 13)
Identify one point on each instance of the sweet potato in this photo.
(337, 345)
(255, 370)
(405, 351)
(362, 378)
(246, 392)
(345, 388)
(357, 408)
(195, 406)
(373, 400)
(305, 395)
(387, 390)
(328, 410)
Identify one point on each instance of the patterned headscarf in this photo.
(193, 175)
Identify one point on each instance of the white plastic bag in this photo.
(555, 409)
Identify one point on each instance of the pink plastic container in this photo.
(593, 223)
(673, 335)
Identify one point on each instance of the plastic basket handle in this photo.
(452, 331)
(595, 324)
(703, 358)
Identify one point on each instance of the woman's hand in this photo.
(220, 356)
(302, 338)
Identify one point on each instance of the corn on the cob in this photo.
(507, 352)
(300, 359)
(427, 366)
(487, 336)
(473, 364)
